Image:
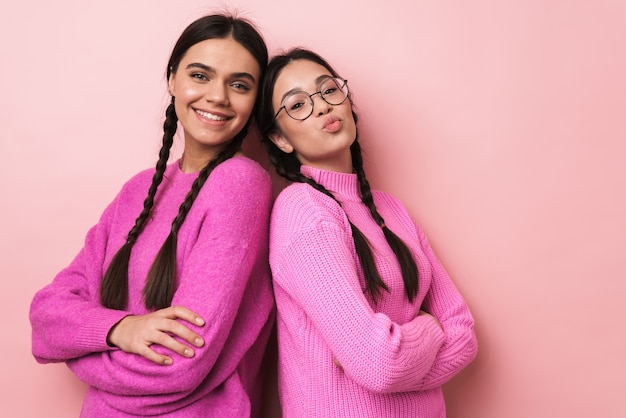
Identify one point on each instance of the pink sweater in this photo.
(223, 275)
(393, 362)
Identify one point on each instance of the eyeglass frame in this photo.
(345, 84)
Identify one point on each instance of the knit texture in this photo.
(392, 362)
(223, 275)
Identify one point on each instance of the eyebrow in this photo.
(210, 69)
(318, 80)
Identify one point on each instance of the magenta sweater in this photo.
(223, 275)
(393, 362)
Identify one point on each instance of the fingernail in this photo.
(188, 352)
(199, 321)
(199, 342)
(167, 362)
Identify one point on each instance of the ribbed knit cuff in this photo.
(96, 326)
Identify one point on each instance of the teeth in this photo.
(210, 115)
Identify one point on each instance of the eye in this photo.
(329, 86)
(240, 86)
(295, 105)
(199, 76)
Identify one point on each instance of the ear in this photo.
(172, 84)
(280, 141)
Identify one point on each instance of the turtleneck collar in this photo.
(343, 185)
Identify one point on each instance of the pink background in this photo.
(500, 124)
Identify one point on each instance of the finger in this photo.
(180, 312)
(170, 343)
(155, 357)
(181, 331)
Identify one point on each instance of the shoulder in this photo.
(302, 214)
(137, 186)
(391, 205)
(241, 172)
(141, 178)
(241, 167)
(301, 205)
(238, 182)
(386, 199)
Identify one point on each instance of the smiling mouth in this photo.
(211, 116)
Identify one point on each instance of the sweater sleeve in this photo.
(226, 256)
(66, 319)
(445, 303)
(313, 263)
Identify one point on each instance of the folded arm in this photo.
(445, 303)
(317, 268)
(217, 268)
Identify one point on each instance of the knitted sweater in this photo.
(223, 275)
(392, 362)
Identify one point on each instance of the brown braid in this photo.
(410, 273)
(114, 285)
(161, 283)
(288, 166)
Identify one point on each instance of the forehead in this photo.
(222, 55)
(299, 75)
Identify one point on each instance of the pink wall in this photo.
(500, 124)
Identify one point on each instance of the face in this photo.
(323, 139)
(215, 87)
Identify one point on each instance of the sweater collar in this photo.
(343, 185)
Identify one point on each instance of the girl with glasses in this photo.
(369, 322)
(167, 309)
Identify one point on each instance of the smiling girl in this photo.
(369, 322)
(167, 309)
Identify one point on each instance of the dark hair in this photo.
(161, 282)
(288, 166)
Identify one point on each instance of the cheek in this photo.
(244, 105)
(186, 90)
(189, 92)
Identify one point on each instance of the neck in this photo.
(342, 164)
(197, 165)
(188, 164)
(197, 155)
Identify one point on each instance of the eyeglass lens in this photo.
(300, 105)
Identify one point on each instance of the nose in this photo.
(320, 104)
(216, 92)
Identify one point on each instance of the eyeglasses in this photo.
(299, 105)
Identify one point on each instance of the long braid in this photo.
(288, 166)
(114, 285)
(408, 266)
(161, 282)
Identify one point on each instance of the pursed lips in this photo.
(330, 120)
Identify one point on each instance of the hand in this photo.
(424, 313)
(136, 333)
